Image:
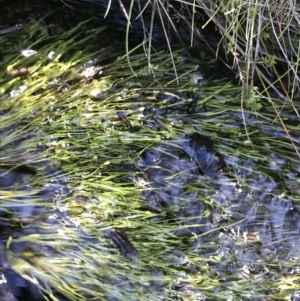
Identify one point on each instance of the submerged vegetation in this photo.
(257, 40)
(122, 186)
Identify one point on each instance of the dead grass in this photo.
(260, 37)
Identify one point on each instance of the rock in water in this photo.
(172, 165)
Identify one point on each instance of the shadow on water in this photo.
(26, 193)
(115, 187)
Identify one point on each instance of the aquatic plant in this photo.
(259, 40)
(86, 128)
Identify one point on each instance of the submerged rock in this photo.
(125, 246)
(14, 287)
(172, 165)
(11, 175)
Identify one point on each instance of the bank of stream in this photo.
(117, 186)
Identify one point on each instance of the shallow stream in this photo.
(123, 187)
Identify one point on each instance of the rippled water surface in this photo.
(116, 187)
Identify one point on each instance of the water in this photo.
(143, 190)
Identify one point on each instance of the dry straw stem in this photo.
(82, 134)
(263, 37)
(258, 34)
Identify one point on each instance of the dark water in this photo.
(233, 210)
(243, 207)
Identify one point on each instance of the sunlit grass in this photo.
(67, 127)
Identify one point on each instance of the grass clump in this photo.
(259, 40)
(79, 146)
